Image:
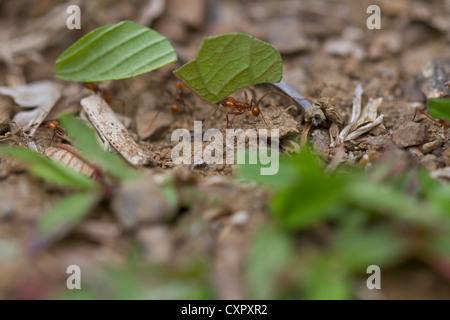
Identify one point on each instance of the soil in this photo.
(221, 222)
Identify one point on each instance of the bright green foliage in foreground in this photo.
(86, 141)
(48, 169)
(67, 213)
(357, 216)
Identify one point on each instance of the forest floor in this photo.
(203, 251)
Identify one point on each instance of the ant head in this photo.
(88, 85)
(228, 102)
(180, 85)
(255, 111)
(51, 124)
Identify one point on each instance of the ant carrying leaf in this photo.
(251, 106)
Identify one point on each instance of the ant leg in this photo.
(229, 124)
(415, 114)
(51, 141)
(156, 116)
(262, 115)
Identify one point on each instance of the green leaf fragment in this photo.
(66, 214)
(439, 108)
(48, 169)
(115, 51)
(230, 62)
(262, 265)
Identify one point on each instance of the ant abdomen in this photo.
(175, 109)
(255, 111)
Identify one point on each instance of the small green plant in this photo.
(230, 62)
(357, 218)
(115, 51)
(73, 208)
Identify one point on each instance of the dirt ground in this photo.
(327, 50)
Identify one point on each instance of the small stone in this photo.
(286, 35)
(429, 162)
(416, 153)
(190, 12)
(102, 232)
(155, 242)
(343, 47)
(385, 44)
(431, 146)
(5, 113)
(139, 202)
(410, 134)
(443, 173)
(152, 123)
(320, 141)
(447, 157)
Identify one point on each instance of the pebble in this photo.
(287, 36)
(147, 125)
(320, 141)
(429, 162)
(190, 12)
(139, 202)
(343, 47)
(410, 134)
(431, 146)
(5, 113)
(156, 243)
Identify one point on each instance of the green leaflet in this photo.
(230, 62)
(115, 51)
(48, 169)
(439, 108)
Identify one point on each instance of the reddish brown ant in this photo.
(243, 106)
(106, 95)
(56, 127)
(178, 97)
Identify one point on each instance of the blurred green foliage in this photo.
(360, 218)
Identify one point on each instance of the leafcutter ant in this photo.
(244, 106)
(56, 127)
(178, 99)
(106, 94)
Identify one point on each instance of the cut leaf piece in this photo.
(48, 169)
(230, 62)
(439, 108)
(115, 51)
